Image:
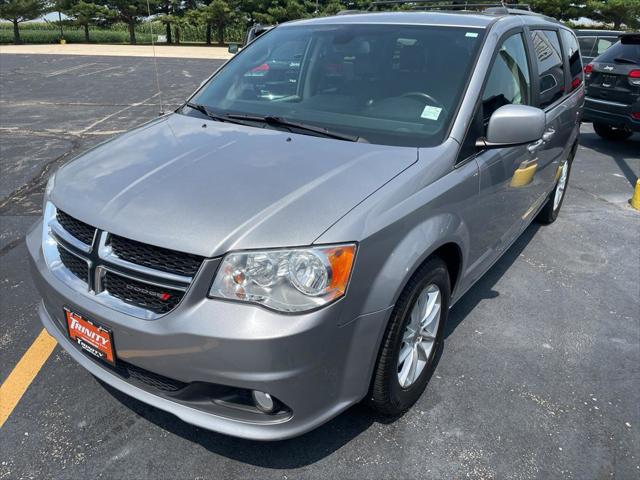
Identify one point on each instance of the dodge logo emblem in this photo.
(164, 296)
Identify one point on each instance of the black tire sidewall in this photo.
(609, 132)
(434, 272)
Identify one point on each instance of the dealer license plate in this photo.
(93, 338)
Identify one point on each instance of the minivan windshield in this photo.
(382, 83)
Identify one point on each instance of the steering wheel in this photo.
(424, 96)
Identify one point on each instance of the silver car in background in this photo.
(290, 241)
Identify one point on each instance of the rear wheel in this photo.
(611, 133)
(551, 209)
(412, 340)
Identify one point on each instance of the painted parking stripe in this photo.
(70, 69)
(23, 374)
(99, 71)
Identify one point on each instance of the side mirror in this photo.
(233, 48)
(512, 125)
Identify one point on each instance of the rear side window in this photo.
(572, 53)
(550, 66)
(586, 45)
(603, 44)
(509, 81)
(621, 52)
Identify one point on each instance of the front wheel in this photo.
(412, 340)
(611, 133)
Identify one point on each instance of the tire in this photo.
(551, 208)
(611, 133)
(386, 395)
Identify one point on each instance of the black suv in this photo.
(595, 42)
(613, 89)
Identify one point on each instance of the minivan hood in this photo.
(207, 187)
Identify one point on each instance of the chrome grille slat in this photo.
(175, 263)
(106, 252)
(76, 264)
(137, 290)
(66, 237)
(142, 294)
(75, 228)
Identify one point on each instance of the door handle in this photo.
(548, 135)
(532, 147)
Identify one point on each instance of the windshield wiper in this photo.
(279, 121)
(213, 115)
(624, 60)
(205, 111)
(242, 119)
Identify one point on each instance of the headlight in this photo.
(291, 280)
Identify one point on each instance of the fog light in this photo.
(263, 401)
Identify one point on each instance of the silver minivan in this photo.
(289, 242)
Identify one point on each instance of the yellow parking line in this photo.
(23, 374)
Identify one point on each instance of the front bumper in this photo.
(317, 364)
(611, 113)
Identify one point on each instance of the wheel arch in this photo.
(451, 254)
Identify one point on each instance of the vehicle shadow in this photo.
(323, 441)
(285, 454)
(619, 151)
(483, 289)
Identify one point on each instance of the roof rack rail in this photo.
(514, 11)
(467, 5)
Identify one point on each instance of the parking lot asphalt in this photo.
(540, 374)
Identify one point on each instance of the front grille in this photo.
(159, 300)
(150, 379)
(74, 264)
(112, 267)
(78, 229)
(158, 258)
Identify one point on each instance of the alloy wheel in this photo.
(562, 184)
(419, 337)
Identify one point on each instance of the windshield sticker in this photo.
(431, 113)
(471, 34)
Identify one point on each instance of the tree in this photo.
(169, 9)
(85, 14)
(278, 11)
(18, 11)
(616, 12)
(130, 12)
(168, 21)
(218, 14)
(332, 7)
(559, 9)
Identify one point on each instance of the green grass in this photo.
(36, 33)
(42, 32)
